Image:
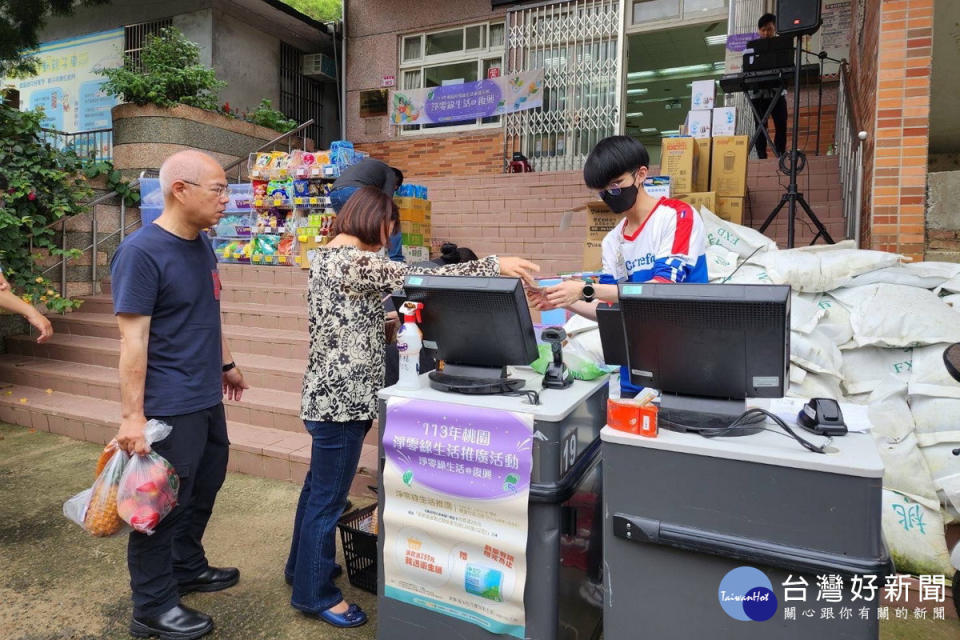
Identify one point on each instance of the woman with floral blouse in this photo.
(345, 370)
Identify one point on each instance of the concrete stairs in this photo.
(70, 385)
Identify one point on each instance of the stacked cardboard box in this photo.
(415, 224)
(728, 176)
(600, 220)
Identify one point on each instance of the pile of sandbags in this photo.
(868, 328)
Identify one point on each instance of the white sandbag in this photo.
(926, 275)
(905, 469)
(890, 315)
(889, 413)
(815, 352)
(748, 274)
(721, 262)
(798, 375)
(952, 285)
(805, 312)
(937, 420)
(816, 385)
(862, 369)
(734, 237)
(835, 323)
(822, 248)
(825, 270)
(953, 300)
(929, 376)
(914, 535)
(944, 467)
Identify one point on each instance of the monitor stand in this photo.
(468, 379)
(691, 414)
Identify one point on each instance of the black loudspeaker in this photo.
(798, 17)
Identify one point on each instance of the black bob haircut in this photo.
(611, 158)
(766, 19)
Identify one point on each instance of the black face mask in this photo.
(623, 201)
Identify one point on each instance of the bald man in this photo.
(175, 366)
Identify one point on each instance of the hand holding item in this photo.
(537, 299)
(513, 267)
(565, 293)
(131, 438)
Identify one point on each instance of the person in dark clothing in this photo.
(175, 366)
(370, 172)
(761, 99)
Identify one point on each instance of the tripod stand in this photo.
(793, 197)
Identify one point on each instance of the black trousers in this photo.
(198, 449)
(779, 116)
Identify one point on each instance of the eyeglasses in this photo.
(615, 191)
(220, 189)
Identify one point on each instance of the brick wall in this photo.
(520, 214)
(902, 126)
(449, 155)
(863, 90)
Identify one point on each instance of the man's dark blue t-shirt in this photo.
(174, 281)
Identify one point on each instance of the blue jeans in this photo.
(313, 552)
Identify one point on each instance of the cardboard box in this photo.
(706, 199)
(678, 158)
(701, 175)
(724, 121)
(699, 123)
(600, 220)
(730, 209)
(728, 170)
(657, 186)
(703, 94)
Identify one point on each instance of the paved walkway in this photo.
(58, 582)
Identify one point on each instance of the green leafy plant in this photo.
(171, 74)
(266, 116)
(38, 186)
(322, 10)
(115, 181)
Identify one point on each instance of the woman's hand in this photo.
(565, 293)
(512, 267)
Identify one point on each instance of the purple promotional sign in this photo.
(738, 41)
(463, 101)
(461, 451)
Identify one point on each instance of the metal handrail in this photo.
(849, 150)
(95, 242)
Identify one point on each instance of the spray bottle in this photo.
(409, 344)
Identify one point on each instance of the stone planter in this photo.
(143, 136)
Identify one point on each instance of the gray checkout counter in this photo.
(682, 511)
(564, 540)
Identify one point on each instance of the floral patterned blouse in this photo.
(346, 365)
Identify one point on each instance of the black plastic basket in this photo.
(359, 549)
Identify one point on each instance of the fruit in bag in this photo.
(148, 491)
(101, 518)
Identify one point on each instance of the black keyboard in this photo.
(768, 79)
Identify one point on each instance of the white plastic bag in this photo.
(929, 376)
(863, 369)
(823, 270)
(890, 315)
(913, 531)
(734, 237)
(815, 352)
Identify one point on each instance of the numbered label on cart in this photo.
(568, 453)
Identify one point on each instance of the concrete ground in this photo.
(57, 582)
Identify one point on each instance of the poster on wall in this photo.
(467, 100)
(834, 36)
(456, 487)
(67, 86)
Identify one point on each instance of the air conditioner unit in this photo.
(319, 65)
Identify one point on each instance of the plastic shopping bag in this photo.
(149, 485)
(96, 508)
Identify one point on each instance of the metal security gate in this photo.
(579, 45)
(301, 98)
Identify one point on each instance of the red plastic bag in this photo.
(149, 485)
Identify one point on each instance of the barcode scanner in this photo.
(823, 417)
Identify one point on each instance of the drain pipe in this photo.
(859, 194)
(343, 72)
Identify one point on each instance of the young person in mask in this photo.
(658, 240)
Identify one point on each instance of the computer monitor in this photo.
(705, 347)
(478, 326)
